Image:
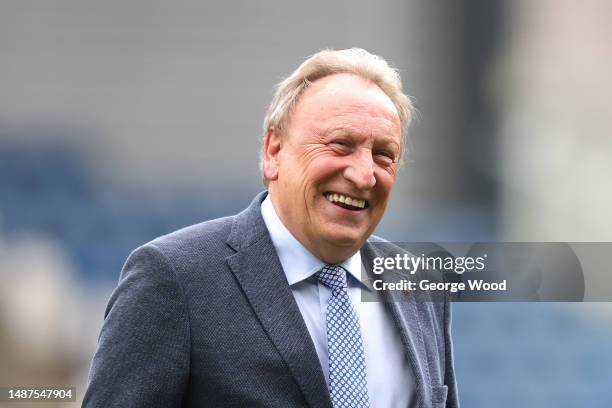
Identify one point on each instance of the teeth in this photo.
(339, 198)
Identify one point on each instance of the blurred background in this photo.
(124, 120)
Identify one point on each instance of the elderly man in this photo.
(262, 309)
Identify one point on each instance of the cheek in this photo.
(321, 170)
(385, 183)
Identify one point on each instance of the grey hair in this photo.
(355, 61)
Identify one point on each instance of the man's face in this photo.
(332, 170)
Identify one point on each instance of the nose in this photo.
(360, 171)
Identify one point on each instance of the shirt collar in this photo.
(297, 261)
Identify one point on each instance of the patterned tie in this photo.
(348, 385)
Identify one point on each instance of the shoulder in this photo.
(214, 235)
(189, 247)
(195, 236)
(206, 246)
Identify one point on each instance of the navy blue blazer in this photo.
(204, 317)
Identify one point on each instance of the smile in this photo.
(344, 201)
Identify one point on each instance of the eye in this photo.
(384, 157)
(341, 146)
(340, 142)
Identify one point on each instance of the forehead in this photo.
(349, 100)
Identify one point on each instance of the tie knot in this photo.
(332, 276)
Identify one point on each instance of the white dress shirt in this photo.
(389, 376)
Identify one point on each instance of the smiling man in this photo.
(264, 308)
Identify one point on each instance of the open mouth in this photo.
(347, 202)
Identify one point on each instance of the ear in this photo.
(271, 149)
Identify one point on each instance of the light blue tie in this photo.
(348, 385)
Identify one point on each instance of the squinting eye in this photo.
(385, 157)
(341, 143)
(341, 146)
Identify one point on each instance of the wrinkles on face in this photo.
(359, 122)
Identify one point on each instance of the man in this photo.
(262, 309)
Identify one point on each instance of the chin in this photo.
(344, 239)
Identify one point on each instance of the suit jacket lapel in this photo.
(260, 274)
(405, 312)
